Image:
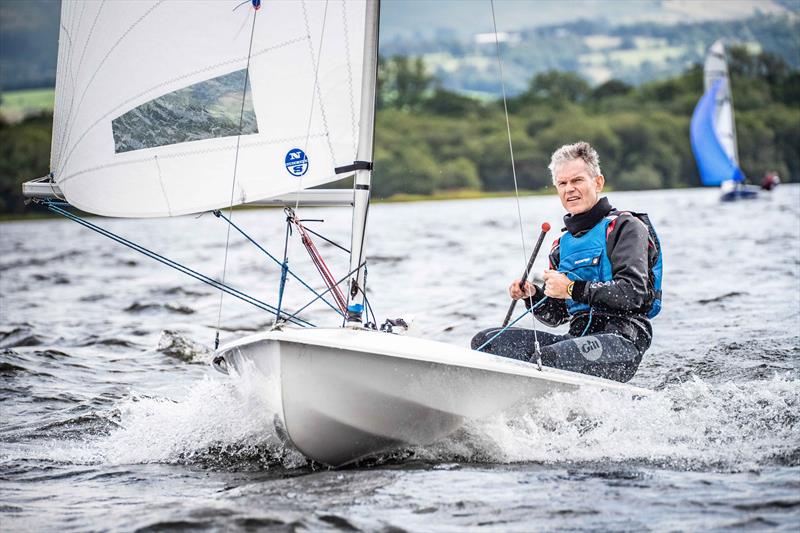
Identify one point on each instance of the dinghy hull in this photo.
(347, 394)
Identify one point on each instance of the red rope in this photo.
(322, 268)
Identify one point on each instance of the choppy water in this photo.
(112, 418)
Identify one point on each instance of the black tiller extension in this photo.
(545, 229)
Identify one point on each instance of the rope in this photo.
(328, 290)
(52, 206)
(275, 259)
(332, 243)
(235, 168)
(513, 166)
(588, 323)
(284, 267)
(503, 330)
(322, 268)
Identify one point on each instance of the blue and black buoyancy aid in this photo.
(585, 258)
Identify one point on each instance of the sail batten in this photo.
(148, 102)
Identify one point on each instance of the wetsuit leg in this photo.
(605, 355)
(514, 343)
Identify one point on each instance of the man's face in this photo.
(577, 189)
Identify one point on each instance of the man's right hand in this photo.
(516, 293)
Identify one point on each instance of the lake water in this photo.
(113, 420)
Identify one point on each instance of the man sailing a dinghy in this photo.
(604, 279)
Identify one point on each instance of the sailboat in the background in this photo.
(713, 131)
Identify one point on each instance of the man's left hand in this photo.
(555, 284)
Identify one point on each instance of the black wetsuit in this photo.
(608, 342)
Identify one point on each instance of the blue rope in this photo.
(52, 206)
(589, 323)
(532, 309)
(284, 267)
(329, 289)
(280, 263)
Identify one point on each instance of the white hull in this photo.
(347, 394)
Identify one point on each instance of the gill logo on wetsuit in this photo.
(590, 348)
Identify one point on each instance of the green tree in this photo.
(403, 83)
(611, 88)
(640, 177)
(24, 155)
(556, 86)
(459, 173)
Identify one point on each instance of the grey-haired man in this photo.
(601, 280)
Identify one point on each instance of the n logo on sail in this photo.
(296, 162)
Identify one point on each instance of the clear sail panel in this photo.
(219, 107)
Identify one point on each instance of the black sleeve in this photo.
(627, 250)
(553, 312)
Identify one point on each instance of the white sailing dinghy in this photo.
(165, 108)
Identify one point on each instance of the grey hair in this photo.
(571, 152)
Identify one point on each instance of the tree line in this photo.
(429, 139)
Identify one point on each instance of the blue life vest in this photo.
(585, 258)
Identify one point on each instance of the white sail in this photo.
(716, 69)
(149, 96)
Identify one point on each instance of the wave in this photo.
(693, 425)
(222, 423)
(21, 335)
(184, 348)
(41, 261)
(233, 424)
(138, 307)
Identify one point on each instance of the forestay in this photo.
(152, 97)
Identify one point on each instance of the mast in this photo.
(716, 68)
(363, 173)
(733, 115)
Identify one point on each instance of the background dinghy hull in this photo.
(348, 394)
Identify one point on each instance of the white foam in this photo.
(692, 424)
(227, 416)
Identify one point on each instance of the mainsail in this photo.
(713, 131)
(167, 108)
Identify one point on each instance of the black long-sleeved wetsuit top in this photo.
(619, 305)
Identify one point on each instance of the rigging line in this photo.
(339, 246)
(275, 259)
(284, 267)
(511, 151)
(235, 167)
(319, 263)
(366, 300)
(327, 291)
(53, 206)
(504, 329)
(314, 90)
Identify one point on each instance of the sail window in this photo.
(205, 110)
